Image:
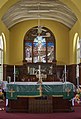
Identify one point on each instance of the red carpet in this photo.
(68, 115)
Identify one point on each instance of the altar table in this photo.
(29, 91)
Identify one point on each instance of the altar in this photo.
(37, 97)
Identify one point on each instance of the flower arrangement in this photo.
(1, 89)
(78, 95)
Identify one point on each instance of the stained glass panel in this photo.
(50, 51)
(39, 49)
(28, 51)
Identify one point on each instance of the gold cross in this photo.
(68, 90)
(40, 89)
(11, 92)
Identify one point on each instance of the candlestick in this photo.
(39, 72)
(14, 73)
(28, 69)
(33, 70)
(65, 72)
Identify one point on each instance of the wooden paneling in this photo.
(21, 105)
(60, 104)
(8, 71)
(71, 73)
(39, 104)
(59, 71)
(21, 73)
(80, 73)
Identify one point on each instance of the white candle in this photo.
(33, 70)
(14, 73)
(39, 72)
(65, 68)
(28, 69)
(65, 72)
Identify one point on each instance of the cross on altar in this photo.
(68, 90)
(40, 89)
(11, 91)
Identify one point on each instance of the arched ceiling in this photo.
(2, 2)
(36, 9)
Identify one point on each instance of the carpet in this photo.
(59, 115)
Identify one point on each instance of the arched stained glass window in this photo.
(39, 47)
(77, 58)
(40, 54)
(1, 43)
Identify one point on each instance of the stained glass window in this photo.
(39, 49)
(1, 58)
(50, 51)
(28, 51)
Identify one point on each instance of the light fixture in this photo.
(39, 26)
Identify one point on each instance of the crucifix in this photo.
(11, 91)
(39, 76)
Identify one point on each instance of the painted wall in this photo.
(60, 32)
(72, 44)
(70, 58)
(6, 42)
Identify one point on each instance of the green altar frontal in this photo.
(32, 89)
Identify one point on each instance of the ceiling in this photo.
(39, 9)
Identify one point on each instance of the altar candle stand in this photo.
(33, 70)
(65, 73)
(14, 73)
(28, 69)
(39, 72)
